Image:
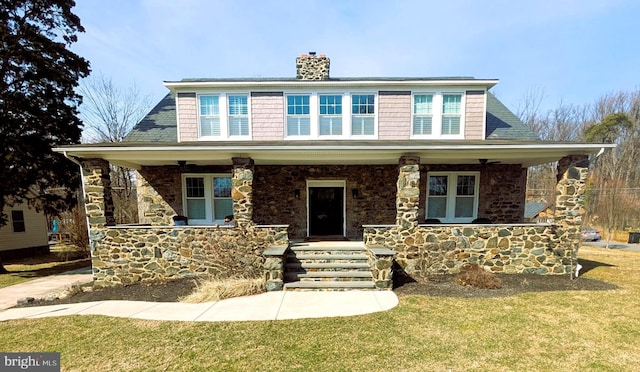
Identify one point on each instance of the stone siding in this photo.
(312, 67)
(394, 115)
(128, 255)
(187, 111)
(474, 121)
(267, 116)
(445, 249)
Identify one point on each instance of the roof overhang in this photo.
(377, 84)
(137, 155)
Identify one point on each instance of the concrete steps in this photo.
(327, 266)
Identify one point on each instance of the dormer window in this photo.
(209, 116)
(363, 114)
(437, 114)
(298, 116)
(224, 117)
(451, 113)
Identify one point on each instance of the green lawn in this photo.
(574, 330)
(59, 260)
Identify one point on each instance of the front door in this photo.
(326, 210)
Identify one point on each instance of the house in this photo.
(538, 212)
(25, 234)
(406, 168)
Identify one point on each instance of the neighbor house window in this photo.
(298, 117)
(451, 113)
(207, 198)
(209, 116)
(238, 114)
(330, 115)
(17, 220)
(363, 114)
(422, 114)
(452, 196)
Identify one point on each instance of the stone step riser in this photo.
(293, 278)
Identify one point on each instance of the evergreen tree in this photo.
(38, 102)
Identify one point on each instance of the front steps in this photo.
(327, 266)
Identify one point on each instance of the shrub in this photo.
(475, 276)
(219, 289)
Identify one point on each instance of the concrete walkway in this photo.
(266, 306)
(39, 288)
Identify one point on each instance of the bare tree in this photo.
(109, 114)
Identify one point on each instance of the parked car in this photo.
(590, 234)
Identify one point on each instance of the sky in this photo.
(564, 51)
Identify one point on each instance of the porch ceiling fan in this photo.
(486, 161)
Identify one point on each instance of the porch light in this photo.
(354, 193)
(182, 163)
(296, 193)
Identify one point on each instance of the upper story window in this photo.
(298, 115)
(363, 114)
(238, 115)
(330, 115)
(438, 115)
(451, 113)
(452, 196)
(422, 114)
(209, 116)
(207, 198)
(224, 116)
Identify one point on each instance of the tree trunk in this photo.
(2, 269)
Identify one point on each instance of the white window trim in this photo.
(436, 121)
(223, 104)
(451, 194)
(208, 196)
(314, 114)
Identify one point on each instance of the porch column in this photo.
(408, 195)
(242, 192)
(97, 188)
(573, 172)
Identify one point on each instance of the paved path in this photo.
(266, 306)
(44, 286)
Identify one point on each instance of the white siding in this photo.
(35, 234)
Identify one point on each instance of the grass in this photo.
(62, 258)
(219, 289)
(544, 331)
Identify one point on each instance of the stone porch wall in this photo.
(445, 249)
(125, 255)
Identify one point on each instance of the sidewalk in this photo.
(44, 286)
(266, 306)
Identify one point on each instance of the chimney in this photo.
(312, 67)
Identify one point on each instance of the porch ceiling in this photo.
(136, 155)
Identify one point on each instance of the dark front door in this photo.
(326, 211)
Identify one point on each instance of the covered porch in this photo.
(383, 190)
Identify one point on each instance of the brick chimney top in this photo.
(312, 67)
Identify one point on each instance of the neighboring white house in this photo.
(26, 229)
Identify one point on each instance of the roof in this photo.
(504, 124)
(303, 152)
(160, 124)
(533, 209)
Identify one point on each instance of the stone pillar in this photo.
(242, 192)
(408, 195)
(152, 208)
(97, 188)
(573, 172)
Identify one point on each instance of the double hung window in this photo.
(451, 113)
(298, 115)
(363, 114)
(207, 198)
(422, 114)
(330, 115)
(452, 196)
(224, 116)
(437, 115)
(17, 221)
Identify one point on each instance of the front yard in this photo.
(548, 330)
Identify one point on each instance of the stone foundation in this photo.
(144, 254)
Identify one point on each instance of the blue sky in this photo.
(572, 51)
